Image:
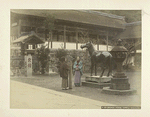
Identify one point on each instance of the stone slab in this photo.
(107, 90)
(97, 79)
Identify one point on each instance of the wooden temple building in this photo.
(71, 27)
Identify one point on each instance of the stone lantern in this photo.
(119, 82)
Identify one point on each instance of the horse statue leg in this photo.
(91, 68)
(102, 72)
(108, 72)
(109, 66)
(95, 69)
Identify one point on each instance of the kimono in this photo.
(64, 68)
(77, 69)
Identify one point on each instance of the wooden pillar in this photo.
(64, 37)
(68, 38)
(25, 46)
(107, 39)
(57, 36)
(51, 39)
(97, 42)
(76, 39)
(70, 76)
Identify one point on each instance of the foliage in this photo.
(60, 53)
(43, 57)
(74, 55)
(130, 15)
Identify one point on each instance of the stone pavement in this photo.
(26, 96)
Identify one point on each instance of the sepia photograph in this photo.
(75, 59)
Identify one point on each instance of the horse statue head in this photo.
(87, 45)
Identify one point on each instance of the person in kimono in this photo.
(64, 68)
(77, 69)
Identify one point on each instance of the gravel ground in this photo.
(54, 82)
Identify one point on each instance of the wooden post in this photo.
(97, 42)
(25, 46)
(76, 39)
(48, 40)
(64, 37)
(107, 40)
(51, 39)
(70, 76)
(57, 36)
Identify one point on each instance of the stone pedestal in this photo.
(119, 85)
(97, 82)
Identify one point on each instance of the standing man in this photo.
(64, 68)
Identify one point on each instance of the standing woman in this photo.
(64, 68)
(77, 68)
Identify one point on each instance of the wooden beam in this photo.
(64, 37)
(76, 39)
(72, 29)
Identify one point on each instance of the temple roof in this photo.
(29, 38)
(79, 16)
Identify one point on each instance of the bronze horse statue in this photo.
(103, 58)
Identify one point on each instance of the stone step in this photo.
(95, 85)
(98, 79)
